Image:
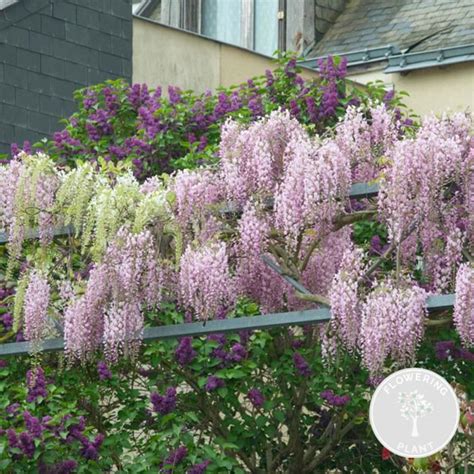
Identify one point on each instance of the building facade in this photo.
(49, 49)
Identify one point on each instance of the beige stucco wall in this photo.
(163, 55)
(439, 89)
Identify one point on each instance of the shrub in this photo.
(157, 134)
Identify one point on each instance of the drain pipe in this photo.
(282, 25)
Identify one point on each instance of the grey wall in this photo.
(49, 49)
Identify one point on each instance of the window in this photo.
(252, 24)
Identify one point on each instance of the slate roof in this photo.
(414, 25)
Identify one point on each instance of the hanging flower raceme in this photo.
(29, 184)
(111, 309)
(84, 318)
(464, 305)
(195, 192)
(253, 277)
(325, 261)
(392, 324)
(37, 296)
(424, 190)
(204, 280)
(344, 299)
(9, 178)
(253, 158)
(316, 180)
(366, 140)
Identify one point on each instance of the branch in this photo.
(313, 298)
(289, 267)
(468, 256)
(310, 251)
(379, 261)
(301, 291)
(460, 460)
(327, 448)
(7, 336)
(213, 418)
(312, 449)
(353, 217)
(438, 322)
(388, 252)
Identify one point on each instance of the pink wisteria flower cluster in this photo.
(464, 306)
(28, 185)
(110, 312)
(37, 297)
(279, 193)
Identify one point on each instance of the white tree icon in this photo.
(414, 406)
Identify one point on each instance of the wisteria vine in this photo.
(197, 237)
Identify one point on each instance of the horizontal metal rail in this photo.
(267, 321)
(358, 191)
(31, 234)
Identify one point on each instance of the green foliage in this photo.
(151, 133)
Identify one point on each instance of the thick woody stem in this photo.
(313, 298)
(347, 219)
(388, 252)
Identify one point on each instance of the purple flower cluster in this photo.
(376, 245)
(103, 371)
(297, 343)
(236, 354)
(90, 449)
(447, 350)
(15, 150)
(199, 468)
(302, 367)
(13, 409)
(36, 383)
(90, 99)
(113, 112)
(34, 425)
(138, 95)
(290, 68)
(213, 383)
(185, 353)
(256, 397)
(331, 73)
(174, 93)
(374, 380)
(24, 441)
(174, 458)
(335, 400)
(164, 404)
(64, 467)
(6, 319)
(111, 99)
(63, 139)
(32, 437)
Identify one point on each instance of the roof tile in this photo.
(375, 23)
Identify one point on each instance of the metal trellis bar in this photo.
(266, 321)
(358, 191)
